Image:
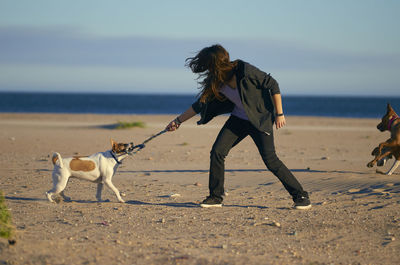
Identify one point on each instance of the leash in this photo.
(139, 147)
(115, 158)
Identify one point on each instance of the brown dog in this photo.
(390, 122)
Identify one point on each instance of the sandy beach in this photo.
(355, 218)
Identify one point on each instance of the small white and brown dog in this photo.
(98, 168)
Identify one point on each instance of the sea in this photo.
(97, 103)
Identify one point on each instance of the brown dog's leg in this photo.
(381, 162)
(378, 156)
(389, 143)
(371, 164)
(394, 167)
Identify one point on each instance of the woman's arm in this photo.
(280, 120)
(173, 125)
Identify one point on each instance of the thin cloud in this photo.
(66, 46)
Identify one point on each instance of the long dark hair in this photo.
(214, 68)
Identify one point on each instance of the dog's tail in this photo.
(57, 160)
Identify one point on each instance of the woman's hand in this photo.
(173, 125)
(280, 118)
(280, 121)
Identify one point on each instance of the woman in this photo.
(254, 101)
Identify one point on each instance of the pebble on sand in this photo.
(276, 224)
(105, 223)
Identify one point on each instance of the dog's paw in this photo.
(121, 201)
(370, 164)
(49, 197)
(57, 200)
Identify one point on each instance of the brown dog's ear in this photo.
(390, 111)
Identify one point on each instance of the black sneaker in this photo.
(211, 202)
(302, 203)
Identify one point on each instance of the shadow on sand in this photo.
(13, 198)
(229, 170)
(190, 204)
(136, 202)
(226, 170)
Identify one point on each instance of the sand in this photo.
(355, 218)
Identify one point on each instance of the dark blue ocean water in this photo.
(358, 107)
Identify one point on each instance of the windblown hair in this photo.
(214, 68)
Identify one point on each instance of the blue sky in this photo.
(311, 47)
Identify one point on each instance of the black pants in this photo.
(234, 131)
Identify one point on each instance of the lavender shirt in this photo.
(234, 97)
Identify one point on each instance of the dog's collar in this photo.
(116, 159)
(395, 117)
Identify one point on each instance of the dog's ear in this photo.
(113, 143)
(390, 110)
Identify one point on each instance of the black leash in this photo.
(139, 147)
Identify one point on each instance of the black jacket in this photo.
(255, 90)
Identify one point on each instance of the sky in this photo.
(312, 47)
